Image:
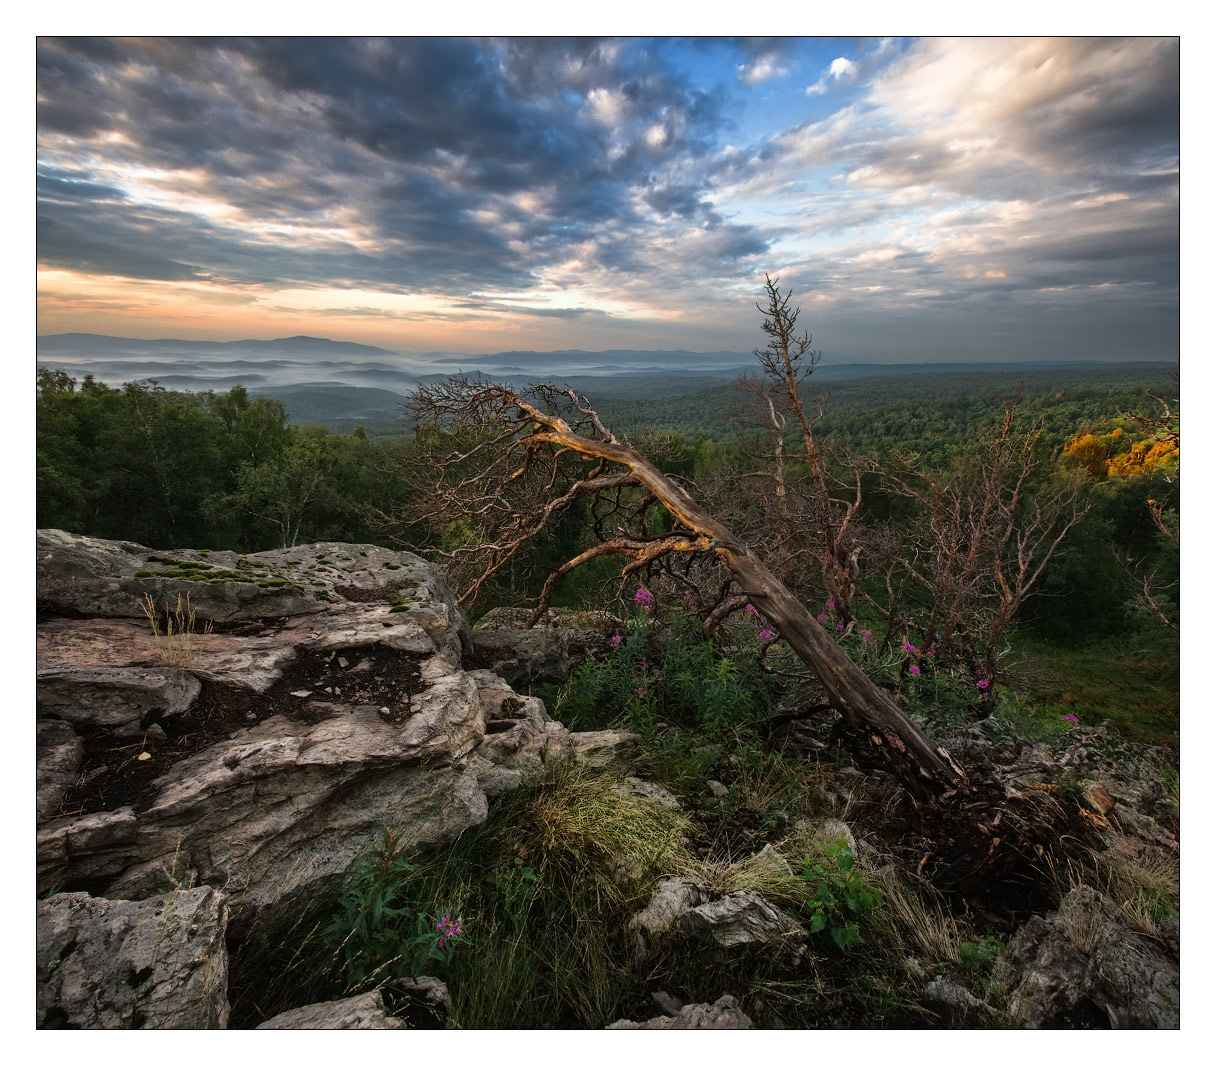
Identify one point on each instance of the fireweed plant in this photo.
(372, 927)
(660, 670)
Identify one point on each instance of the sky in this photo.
(923, 199)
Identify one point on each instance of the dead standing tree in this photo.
(522, 464)
(986, 534)
(808, 494)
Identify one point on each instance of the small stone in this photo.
(385, 710)
(342, 662)
(143, 756)
(302, 693)
(667, 1003)
(717, 788)
(251, 716)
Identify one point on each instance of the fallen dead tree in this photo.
(521, 459)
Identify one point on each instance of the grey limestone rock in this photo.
(59, 754)
(158, 963)
(743, 918)
(1083, 966)
(603, 746)
(358, 1012)
(670, 901)
(276, 807)
(125, 699)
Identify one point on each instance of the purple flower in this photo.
(830, 605)
(448, 928)
(616, 640)
(643, 599)
(982, 683)
(689, 598)
(765, 635)
(914, 670)
(932, 650)
(839, 626)
(908, 646)
(866, 634)
(1072, 718)
(749, 609)
(640, 692)
(821, 618)
(645, 665)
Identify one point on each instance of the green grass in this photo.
(1104, 681)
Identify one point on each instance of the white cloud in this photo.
(840, 69)
(762, 68)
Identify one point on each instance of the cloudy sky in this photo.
(924, 199)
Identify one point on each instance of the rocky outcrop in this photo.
(327, 700)
(358, 1012)
(546, 653)
(158, 963)
(1083, 967)
(1123, 785)
(725, 1013)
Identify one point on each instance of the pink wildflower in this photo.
(616, 640)
(749, 609)
(821, 618)
(982, 683)
(765, 635)
(914, 670)
(1072, 718)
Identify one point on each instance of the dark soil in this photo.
(113, 775)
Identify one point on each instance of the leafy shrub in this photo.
(979, 955)
(839, 895)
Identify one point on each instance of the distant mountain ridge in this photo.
(101, 343)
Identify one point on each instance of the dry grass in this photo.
(176, 646)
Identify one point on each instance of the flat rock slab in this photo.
(158, 963)
(359, 1012)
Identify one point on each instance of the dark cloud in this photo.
(425, 145)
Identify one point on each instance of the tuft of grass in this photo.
(544, 889)
(176, 646)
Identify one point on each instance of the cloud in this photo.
(442, 165)
(989, 170)
(763, 68)
(591, 181)
(839, 70)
